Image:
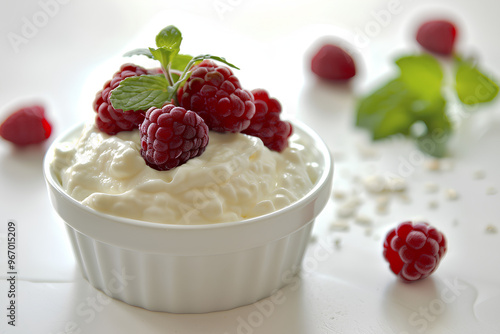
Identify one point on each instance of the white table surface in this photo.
(345, 285)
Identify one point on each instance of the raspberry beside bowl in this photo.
(191, 268)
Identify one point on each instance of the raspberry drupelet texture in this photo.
(109, 119)
(26, 126)
(172, 135)
(214, 93)
(266, 123)
(414, 250)
(437, 36)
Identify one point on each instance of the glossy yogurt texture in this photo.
(236, 178)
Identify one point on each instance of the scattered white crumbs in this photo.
(346, 211)
(366, 151)
(374, 183)
(349, 207)
(381, 210)
(404, 198)
(432, 164)
(446, 165)
(433, 204)
(491, 191)
(396, 184)
(451, 194)
(491, 229)
(479, 174)
(431, 187)
(382, 201)
(363, 220)
(339, 194)
(339, 225)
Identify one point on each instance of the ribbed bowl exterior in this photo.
(190, 284)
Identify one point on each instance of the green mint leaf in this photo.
(175, 76)
(139, 52)
(163, 55)
(394, 108)
(473, 86)
(386, 111)
(169, 37)
(436, 148)
(438, 128)
(180, 61)
(141, 93)
(422, 75)
(220, 59)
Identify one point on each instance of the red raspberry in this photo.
(414, 250)
(109, 119)
(170, 136)
(333, 63)
(26, 126)
(437, 36)
(214, 93)
(266, 123)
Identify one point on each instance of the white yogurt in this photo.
(236, 178)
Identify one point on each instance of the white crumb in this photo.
(491, 191)
(363, 220)
(491, 229)
(404, 198)
(431, 187)
(339, 194)
(339, 225)
(432, 164)
(374, 183)
(397, 184)
(451, 194)
(479, 174)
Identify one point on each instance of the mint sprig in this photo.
(146, 91)
(135, 93)
(415, 97)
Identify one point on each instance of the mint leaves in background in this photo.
(415, 97)
(146, 91)
(473, 86)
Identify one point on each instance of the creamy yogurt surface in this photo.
(236, 178)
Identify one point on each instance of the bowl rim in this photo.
(322, 180)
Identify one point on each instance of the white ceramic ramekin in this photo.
(191, 268)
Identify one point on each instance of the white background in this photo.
(345, 286)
